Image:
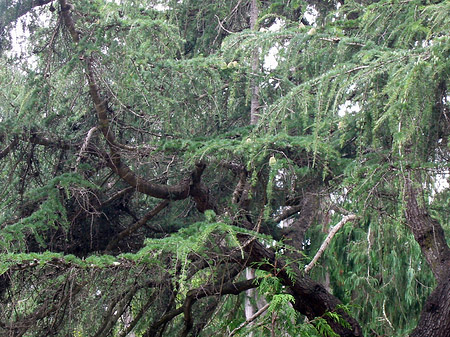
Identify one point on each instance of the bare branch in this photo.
(8, 149)
(205, 291)
(327, 241)
(250, 319)
(130, 230)
(85, 144)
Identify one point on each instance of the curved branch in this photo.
(196, 294)
(177, 192)
(181, 191)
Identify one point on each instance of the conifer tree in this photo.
(152, 151)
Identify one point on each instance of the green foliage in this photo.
(50, 214)
(349, 110)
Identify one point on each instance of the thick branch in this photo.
(199, 293)
(38, 139)
(311, 298)
(287, 212)
(199, 192)
(177, 192)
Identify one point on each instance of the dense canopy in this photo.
(224, 168)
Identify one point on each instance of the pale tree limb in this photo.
(85, 145)
(250, 319)
(327, 241)
(254, 102)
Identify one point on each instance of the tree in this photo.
(137, 188)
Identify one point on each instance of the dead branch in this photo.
(327, 241)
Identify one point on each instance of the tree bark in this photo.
(435, 317)
(254, 102)
(311, 298)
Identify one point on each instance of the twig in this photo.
(133, 228)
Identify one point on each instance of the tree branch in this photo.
(199, 293)
(250, 319)
(428, 233)
(20, 327)
(8, 149)
(133, 228)
(327, 241)
(311, 298)
(85, 144)
(181, 191)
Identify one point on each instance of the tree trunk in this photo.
(254, 102)
(435, 317)
(249, 296)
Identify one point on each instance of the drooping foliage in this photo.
(135, 193)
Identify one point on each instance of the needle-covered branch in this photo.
(183, 190)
